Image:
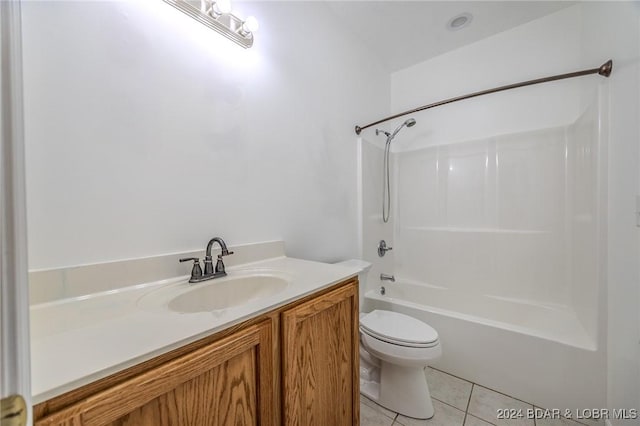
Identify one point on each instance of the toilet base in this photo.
(400, 389)
(370, 389)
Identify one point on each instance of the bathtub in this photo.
(535, 352)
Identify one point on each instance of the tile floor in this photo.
(457, 402)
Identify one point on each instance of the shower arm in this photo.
(603, 70)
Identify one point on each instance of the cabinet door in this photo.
(321, 360)
(228, 382)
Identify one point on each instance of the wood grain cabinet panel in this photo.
(224, 395)
(320, 360)
(228, 382)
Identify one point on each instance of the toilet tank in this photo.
(364, 268)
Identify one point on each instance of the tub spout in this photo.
(387, 277)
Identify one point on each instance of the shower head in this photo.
(409, 123)
(386, 186)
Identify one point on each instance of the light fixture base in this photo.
(227, 25)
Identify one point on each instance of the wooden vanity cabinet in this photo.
(320, 364)
(296, 365)
(225, 382)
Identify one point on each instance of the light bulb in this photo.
(250, 25)
(221, 7)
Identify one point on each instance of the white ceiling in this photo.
(404, 33)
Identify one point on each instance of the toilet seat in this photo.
(405, 356)
(398, 329)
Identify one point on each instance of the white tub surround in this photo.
(520, 213)
(79, 339)
(556, 323)
(535, 353)
(496, 245)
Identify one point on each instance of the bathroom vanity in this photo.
(294, 362)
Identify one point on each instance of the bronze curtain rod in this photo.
(604, 70)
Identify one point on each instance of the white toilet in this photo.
(394, 350)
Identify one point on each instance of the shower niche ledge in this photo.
(476, 230)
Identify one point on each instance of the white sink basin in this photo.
(236, 289)
(214, 296)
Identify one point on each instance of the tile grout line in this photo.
(482, 420)
(561, 416)
(395, 415)
(452, 375)
(473, 384)
(466, 411)
(483, 386)
(534, 417)
(503, 394)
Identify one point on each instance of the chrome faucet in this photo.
(209, 271)
(386, 277)
(383, 248)
(208, 263)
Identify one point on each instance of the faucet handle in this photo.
(196, 271)
(224, 253)
(383, 248)
(220, 266)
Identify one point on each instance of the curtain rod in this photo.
(603, 70)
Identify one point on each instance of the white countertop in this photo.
(79, 340)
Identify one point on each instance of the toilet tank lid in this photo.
(398, 327)
(362, 265)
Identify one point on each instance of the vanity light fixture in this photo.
(218, 8)
(216, 14)
(249, 26)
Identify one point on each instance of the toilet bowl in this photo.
(394, 350)
(403, 346)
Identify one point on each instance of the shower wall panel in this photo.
(373, 228)
(486, 216)
(583, 216)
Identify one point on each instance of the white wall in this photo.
(613, 30)
(147, 133)
(546, 46)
